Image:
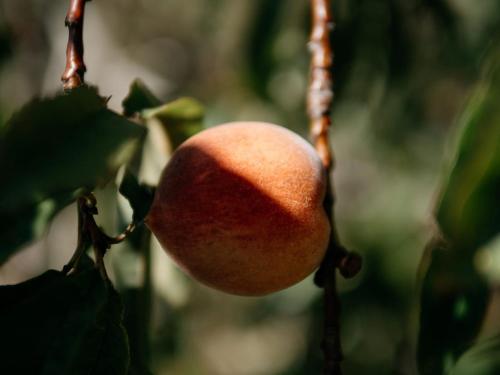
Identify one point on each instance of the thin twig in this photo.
(331, 343)
(320, 95)
(89, 233)
(82, 240)
(123, 236)
(73, 75)
(319, 102)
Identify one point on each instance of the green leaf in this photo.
(57, 324)
(62, 144)
(181, 119)
(265, 30)
(6, 43)
(454, 296)
(140, 196)
(50, 149)
(138, 99)
(468, 211)
(453, 303)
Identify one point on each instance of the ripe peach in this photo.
(240, 208)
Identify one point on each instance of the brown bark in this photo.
(73, 75)
(319, 102)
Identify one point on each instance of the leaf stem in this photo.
(319, 102)
(73, 75)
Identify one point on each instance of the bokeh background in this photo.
(403, 72)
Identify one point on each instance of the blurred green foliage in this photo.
(454, 294)
(468, 212)
(403, 70)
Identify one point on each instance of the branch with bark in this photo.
(73, 75)
(89, 232)
(319, 102)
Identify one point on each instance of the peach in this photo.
(239, 207)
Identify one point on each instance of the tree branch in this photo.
(89, 233)
(320, 95)
(73, 75)
(319, 102)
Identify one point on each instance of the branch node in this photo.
(89, 233)
(350, 264)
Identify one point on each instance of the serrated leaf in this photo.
(57, 324)
(139, 98)
(181, 119)
(140, 196)
(62, 144)
(50, 149)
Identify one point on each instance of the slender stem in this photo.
(122, 236)
(137, 302)
(82, 240)
(90, 233)
(320, 95)
(147, 293)
(331, 344)
(73, 75)
(319, 102)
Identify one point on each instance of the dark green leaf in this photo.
(468, 212)
(139, 98)
(6, 43)
(137, 298)
(453, 304)
(263, 34)
(140, 196)
(56, 324)
(454, 296)
(181, 119)
(53, 147)
(137, 302)
(62, 144)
